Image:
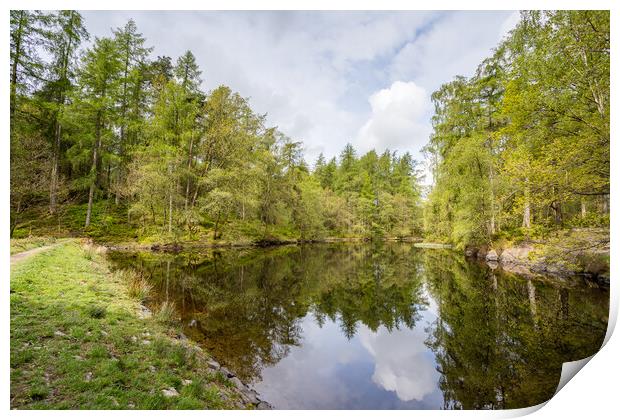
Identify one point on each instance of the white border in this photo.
(592, 394)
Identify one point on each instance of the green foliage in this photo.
(525, 142)
(168, 162)
(97, 312)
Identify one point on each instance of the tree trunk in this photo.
(55, 169)
(217, 222)
(557, 212)
(93, 168)
(18, 43)
(189, 168)
(526, 209)
(492, 199)
(121, 169)
(170, 210)
(61, 103)
(584, 210)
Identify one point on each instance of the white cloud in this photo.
(402, 362)
(399, 119)
(313, 72)
(454, 45)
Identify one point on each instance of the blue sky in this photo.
(328, 78)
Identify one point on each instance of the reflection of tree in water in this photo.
(500, 341)
(379, 286)
(249, 303)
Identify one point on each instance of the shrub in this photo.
(138, 286)
(166, 313)
(97, 312)
(38, 393)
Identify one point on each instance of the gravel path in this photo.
(15, 258)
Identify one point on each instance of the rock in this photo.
(144, 312)
(146, 342)
(88, 377)
(134, 338)
(492, 256)
(251, 396)
(80, 358)
(471, 252)
(152, 368)
(170, 392)
(186, 382)
(263, 405)
(60, 334)
(603, 280)
(516, 255)
(213, 364)
(193, 323)
(181, 336)
(237, 383)
(226, 372)
(492, 264)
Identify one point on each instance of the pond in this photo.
(378, 325)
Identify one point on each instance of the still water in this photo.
(378, 326)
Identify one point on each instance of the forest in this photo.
(145, 210)
(522, 147)
(109, 141)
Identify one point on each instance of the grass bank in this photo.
(77, 341)
(26, 244)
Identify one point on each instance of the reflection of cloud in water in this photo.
(311, 376)
(403, 364)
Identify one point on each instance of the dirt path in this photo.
(15, 258)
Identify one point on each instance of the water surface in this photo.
(378, 326)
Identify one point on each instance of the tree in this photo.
(526, 140)
(143, 136)
(27, 35)
(133, 56)
(188, 73)
(63, 46)
(96, 100)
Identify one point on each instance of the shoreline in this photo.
(527, 260)
(196, 245)
(517, 259)
(94, 332)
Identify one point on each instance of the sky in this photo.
(328, 78)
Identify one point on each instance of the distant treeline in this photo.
(108, 122)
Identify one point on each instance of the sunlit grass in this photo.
(77, 342)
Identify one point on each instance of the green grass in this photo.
(25, 244)
(108, 222)
(77, 342)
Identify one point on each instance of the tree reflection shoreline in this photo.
(498, 340)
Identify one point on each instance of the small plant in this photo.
(137, 286)
(212, 397)
(90, 252)
(166, 313)
(38, 393)
(97, 312)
